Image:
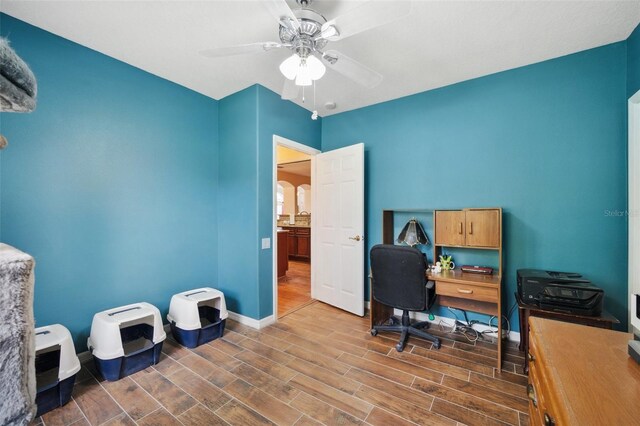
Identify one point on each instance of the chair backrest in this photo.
(398, 276)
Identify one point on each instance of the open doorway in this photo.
(293, 215)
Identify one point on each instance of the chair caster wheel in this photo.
(374, 332)
(437, 345)
(399, 347)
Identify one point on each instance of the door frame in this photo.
(279, 140)
(633, 207)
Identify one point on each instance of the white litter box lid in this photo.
(54, 335)
(105, 342)
(183, 309)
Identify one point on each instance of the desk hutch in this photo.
(476, 228)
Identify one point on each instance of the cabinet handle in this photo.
(531, 357)
(460, 229)
(548, 420)
(463, 291)
(470, 228)
(356, 238)
(531, 393)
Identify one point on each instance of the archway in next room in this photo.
(293, 216)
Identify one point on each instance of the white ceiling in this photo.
(437, 44)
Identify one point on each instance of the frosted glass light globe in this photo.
(303, 79)
(289, 67)
(303, 70)
(315, 68)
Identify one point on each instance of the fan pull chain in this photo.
(314, 114)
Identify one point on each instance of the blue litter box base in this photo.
(194, 338)
(54, 396)
(117, 368)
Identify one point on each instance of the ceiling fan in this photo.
(307, 33)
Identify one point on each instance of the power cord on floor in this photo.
(466, 327)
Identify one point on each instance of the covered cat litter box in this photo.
(125, 340)
(197, 316)
(56, 367)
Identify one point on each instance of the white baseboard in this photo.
(251, 322)
(513, 336)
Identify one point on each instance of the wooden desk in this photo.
(476, 228)
(605, 320)
(581, 375)
(457, 289)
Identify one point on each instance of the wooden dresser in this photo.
(581, 375)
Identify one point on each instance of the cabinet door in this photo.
(292, 242)
(449, 227)
(304, 246)
(483, 228)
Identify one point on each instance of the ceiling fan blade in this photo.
(290, 89)
(280, 10)
(369, 15)
(352, 69)
(241, 49)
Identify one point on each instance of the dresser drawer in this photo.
(542, 411)
(467, 291)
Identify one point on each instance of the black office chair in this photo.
(398, 279)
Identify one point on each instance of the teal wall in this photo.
(633, 62)
(248, 121)
(546, 142)
(111, 184)
(238, 198)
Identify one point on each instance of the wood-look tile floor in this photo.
(318, 365)
(294, 289)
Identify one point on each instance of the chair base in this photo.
(406, 329)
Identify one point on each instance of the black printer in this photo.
(559, 291)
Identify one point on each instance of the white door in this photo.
(338, 228)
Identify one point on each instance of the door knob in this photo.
(356, 238)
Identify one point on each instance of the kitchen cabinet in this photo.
(299, 243)
(292, 242)
(283, 253)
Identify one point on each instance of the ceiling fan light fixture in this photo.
(289, 67)
(303, 79)
(303, 70)
(315, 68)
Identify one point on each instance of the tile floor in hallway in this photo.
(318, 365)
